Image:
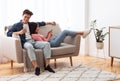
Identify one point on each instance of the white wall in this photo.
(69, 14)
(107, 13)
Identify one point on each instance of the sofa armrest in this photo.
(74, 41)
(11, 48)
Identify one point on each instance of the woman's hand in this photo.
(50, 33)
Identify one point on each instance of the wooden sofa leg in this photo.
(112, 61)
(55, 63)
(11, 64)
(71, 61)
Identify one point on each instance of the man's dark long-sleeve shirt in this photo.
(19, 26)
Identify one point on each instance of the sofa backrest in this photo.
(6, 28)
(44, 30)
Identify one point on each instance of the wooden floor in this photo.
(104, 64)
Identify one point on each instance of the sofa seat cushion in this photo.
(63, 49)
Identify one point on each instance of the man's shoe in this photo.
(37, 71)
(49, 69)
(86, 33)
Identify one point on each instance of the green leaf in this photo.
(99, 35)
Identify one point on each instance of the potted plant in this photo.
(99, 35)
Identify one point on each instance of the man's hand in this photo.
(51, 23)
(23, 31)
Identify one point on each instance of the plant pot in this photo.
(99, 45)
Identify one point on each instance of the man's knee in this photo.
(47, 44)
(28, 45)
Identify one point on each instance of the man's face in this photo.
(26, 18)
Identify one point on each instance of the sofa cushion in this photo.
(63, 49)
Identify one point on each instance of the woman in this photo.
(56, 41)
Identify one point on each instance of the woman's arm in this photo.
(38, 37)
(49, 35)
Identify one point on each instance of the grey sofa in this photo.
(12, 48)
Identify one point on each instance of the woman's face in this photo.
(26, 18)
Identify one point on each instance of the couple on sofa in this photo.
(31, 40)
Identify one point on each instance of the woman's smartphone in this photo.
(51, 30)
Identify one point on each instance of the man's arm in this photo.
(45, 23)
(50, 23)
(11, 30)
(16, 29)
(20, 32)
(41, 23)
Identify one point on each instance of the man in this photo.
(24, 29)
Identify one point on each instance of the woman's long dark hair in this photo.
(33, 27)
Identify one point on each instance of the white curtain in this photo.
(68, 13)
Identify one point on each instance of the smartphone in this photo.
(51, 30)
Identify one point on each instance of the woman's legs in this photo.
(55, 42)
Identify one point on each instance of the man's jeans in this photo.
(31, 45)
(56, 41)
